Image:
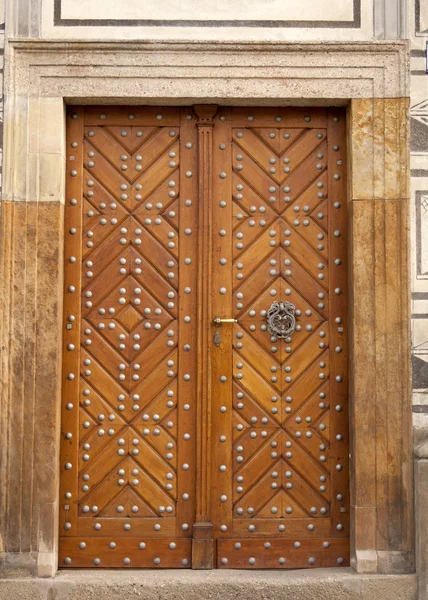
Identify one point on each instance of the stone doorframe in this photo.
(371, 80)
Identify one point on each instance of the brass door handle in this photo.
(217, 321)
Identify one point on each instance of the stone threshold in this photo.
(224, 584)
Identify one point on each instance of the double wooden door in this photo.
(204, 410)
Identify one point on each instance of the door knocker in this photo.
(281, 319)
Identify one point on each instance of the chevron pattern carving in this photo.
(285, 466)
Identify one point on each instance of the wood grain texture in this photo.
(128, 413)
(280, 406)
(184, 443)
(203, 547)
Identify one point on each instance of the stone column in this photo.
(31, 308)
(381, 484)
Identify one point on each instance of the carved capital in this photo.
(205, 114)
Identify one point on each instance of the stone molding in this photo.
(296, 72)
(372, 80)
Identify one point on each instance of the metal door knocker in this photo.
(281, 319)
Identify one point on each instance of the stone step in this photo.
(314, 584)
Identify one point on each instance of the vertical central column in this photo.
(203, 542)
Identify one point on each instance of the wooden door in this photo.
(280, 419)
(128, 435)
(184, 442)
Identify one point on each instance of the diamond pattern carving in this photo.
(128, 455)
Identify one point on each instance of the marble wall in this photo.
(418, 34)
(275, 20)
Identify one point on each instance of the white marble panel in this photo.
(216, 10)
(225, 20)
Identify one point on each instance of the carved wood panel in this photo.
(128, 436)
(172, 427)
(280, 413)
